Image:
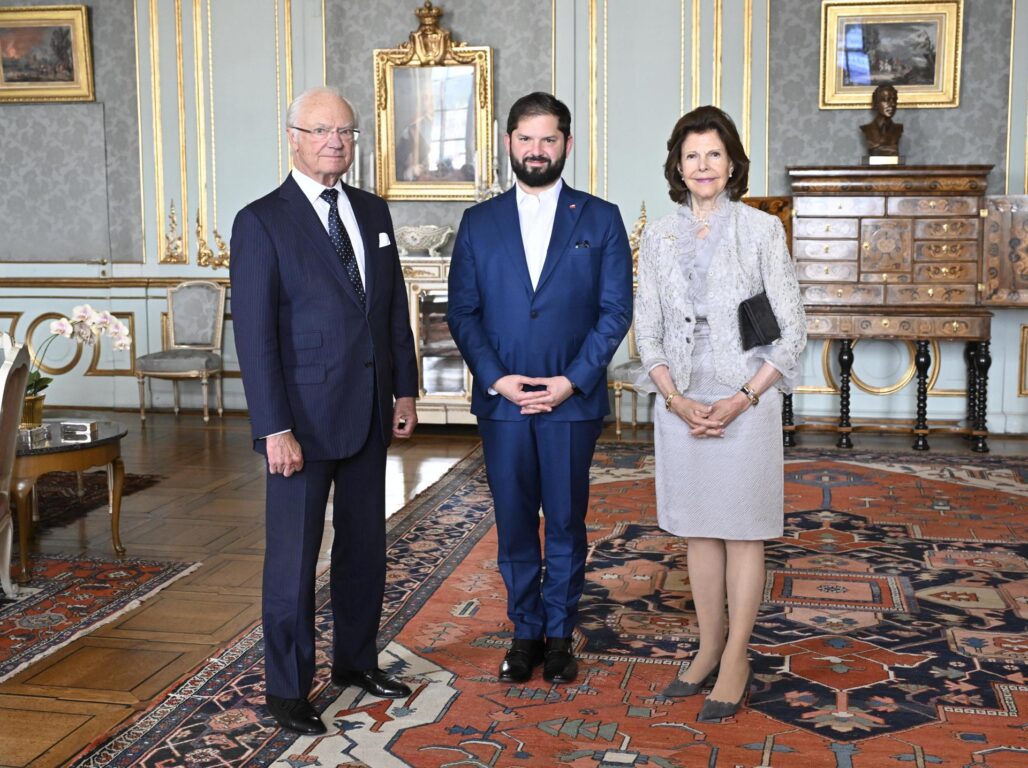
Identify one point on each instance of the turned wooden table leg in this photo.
(23, 501)
(972, 391)
(922, 361)
(980, 430)
(115, 485)
(845, 366)
(788, 425)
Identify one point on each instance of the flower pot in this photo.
(32, 411)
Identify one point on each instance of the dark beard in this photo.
(541, 177)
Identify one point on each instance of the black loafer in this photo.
(374, 681)
(520, 660)
(295, 714)
(559, 665)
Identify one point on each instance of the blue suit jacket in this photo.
(311, 356)
(570, 325)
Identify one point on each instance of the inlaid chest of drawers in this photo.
(906, 252)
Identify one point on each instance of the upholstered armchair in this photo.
(196, 316)
(14, 374)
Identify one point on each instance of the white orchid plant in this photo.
(86, 326)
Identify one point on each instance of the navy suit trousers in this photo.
(531, 463)
(295, 523)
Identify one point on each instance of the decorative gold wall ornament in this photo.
(173, 253)
(205, 256)
(635, 238)
(428, 148)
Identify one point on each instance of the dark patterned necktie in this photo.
(341, 240)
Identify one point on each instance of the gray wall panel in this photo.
(114, 73)
(803, 134)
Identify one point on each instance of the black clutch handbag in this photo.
(757, 324)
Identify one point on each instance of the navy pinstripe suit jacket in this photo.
(311, 356)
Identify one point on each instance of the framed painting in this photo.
(912, 46)
(45, 54)
(433, 116)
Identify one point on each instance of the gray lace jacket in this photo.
(751, 257)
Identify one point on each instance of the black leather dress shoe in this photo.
(295, 714)
(559, 665)
(521, 659)
(374, 681)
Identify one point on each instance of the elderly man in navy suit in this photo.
(327, 356)
(540, 298)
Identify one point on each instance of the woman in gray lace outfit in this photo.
(720, 476)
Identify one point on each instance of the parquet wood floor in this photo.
(209, 509)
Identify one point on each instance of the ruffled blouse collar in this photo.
(713, 220)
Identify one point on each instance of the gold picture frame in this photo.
(433, 115)
(914, 46)
(45, 54)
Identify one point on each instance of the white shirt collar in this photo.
(312, 189)
(546, 197)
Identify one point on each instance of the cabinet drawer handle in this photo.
(825, 249)
(956, 326)
(866, 246)
(885, 277)
(931, 291)
(828, 227)
(945, 270)
(931, 204)
(827, 270)
(885, 323)
(945, 227)
(838, 293)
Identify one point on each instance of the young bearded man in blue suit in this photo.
(327, 356)
(540, 297)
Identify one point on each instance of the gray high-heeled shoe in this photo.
(679, 689)
(713, 710)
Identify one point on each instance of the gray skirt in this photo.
(729, 487)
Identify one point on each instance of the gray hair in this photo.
(322, 90)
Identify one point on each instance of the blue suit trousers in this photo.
(531, 463)
(295, 525)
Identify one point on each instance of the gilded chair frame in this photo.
(169, 342)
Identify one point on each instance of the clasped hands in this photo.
(709, 420)
(557, 390)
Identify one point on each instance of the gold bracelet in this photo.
(752, 396)
(671, 396)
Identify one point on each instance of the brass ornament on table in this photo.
(32, 412)
(205, 256)
(173, 250)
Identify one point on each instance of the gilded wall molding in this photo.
(12, 324)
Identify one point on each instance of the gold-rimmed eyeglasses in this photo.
(344, 134)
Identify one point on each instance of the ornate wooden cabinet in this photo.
(907, 252)
(444, 381)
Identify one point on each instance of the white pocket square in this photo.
(383, 239)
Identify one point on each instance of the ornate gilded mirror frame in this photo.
(433, 115)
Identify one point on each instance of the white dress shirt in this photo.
(536, 212)
(313, 189)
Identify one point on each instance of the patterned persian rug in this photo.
(70, 597)
(893, 632)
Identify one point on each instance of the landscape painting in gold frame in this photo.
(433, 116)
(45, 54)
(913, 46)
